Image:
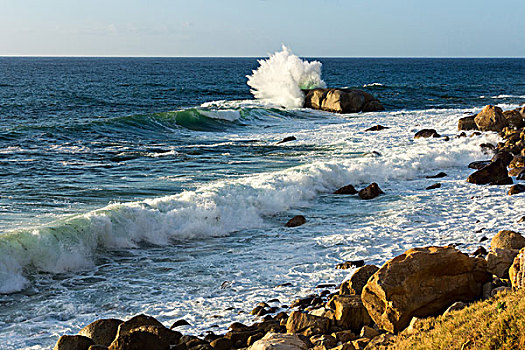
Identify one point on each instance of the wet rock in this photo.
(467, 123)
(490, 118)
(515, 189)
(434, 186)
(348, 189)
(180, 323)
(73, 342)
(341, 100)
(354, 285)
(522, 219)
(350, 312)
(370, 192)
(517, 270)
(422, 282)
(314, 98)
(377, 128)
(480, 252)
(488, 148)
(521, 175)
(499, 260)
(504, 156)
(297, 220)
(437, 176)
(462, 134)
(494, 173)
(325, 285)
(276, 341)
(306, 324)
(350, 264)
(479, 164)
(287, 139)
(506, 239)
(517, 162)
(102, 331)
(515, 171)
(426, 133)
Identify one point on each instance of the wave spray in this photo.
(280, 78)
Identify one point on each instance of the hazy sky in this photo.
(257, 27)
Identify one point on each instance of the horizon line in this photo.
(257, 57)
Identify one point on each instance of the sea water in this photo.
(157, 185)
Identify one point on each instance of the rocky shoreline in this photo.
(377, 305)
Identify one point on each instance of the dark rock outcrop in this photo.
(102, 331)
(73, 342)
(348, 189)
(341, 100)
(370, 192)
(297, 220)
(426, 133)
(467, 123)
(494, 173)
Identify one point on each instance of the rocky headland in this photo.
(426, 298)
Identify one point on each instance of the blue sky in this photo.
(321, 28)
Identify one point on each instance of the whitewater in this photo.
(165, 207)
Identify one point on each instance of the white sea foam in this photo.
(280, 78)
(372, 85)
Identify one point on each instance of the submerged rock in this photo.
(341, 100)
(297, 220)
(348, 189)
(349, 264)
(515, 189)
(370, 192)
(426, 133)
(377, 128)
(434, 186)
(287, 139)
(494, 173)
(437, 176)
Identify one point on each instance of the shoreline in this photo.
(242, 336)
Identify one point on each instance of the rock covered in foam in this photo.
(341, 100)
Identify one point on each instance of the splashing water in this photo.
(280, 78)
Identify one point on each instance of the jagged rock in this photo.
(354, 285)
(276, 341)
(73, 342)
(480, 164)
(368, 332)
(370, 192)
(499, 260)
(467, 123)
(361, 343)
(506, 239)
(422, 282)
(517, 270)
(434, 186)
(514, 118)
(490, 119)
(515, 171)
(494, 173)
(306, 324)
(350, 312)
(349, 264)
(297, 220)
(437, 176)
(348, 189)
(102, 331)
(426, 133)
(323, 341)
(377, 128)
(341, 100)
(515, 189)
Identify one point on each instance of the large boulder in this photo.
(514, 118)
(354, 285)
(491, 118)
(422, 282)
(495, 173)
(73, 342)
(499, 260)
(506, 239)
(102, 331)
(135, 322)
(341, 100)
(276, 341)
(350, 313)
(139, 340)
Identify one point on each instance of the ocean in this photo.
(157, 185)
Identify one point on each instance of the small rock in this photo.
(522, 219)
(499, 290)
(517, 162)
(437, 176)
(350, 312)
(221, 344)
(480, 252)
(297, 220)
(467, 123)
(479, 164)
(377, 128)
(434, 186)
(287, 139)
(285, 284)
(348, 189)
(458, 305)
(484, 238)
(361, 343)
(180, 323)
(515, 189)
(349, 264)
(370, 192)
(325, 285)
(517, 269)
(487, 148)
(462, 134)
(426, 133)
(368, 332)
